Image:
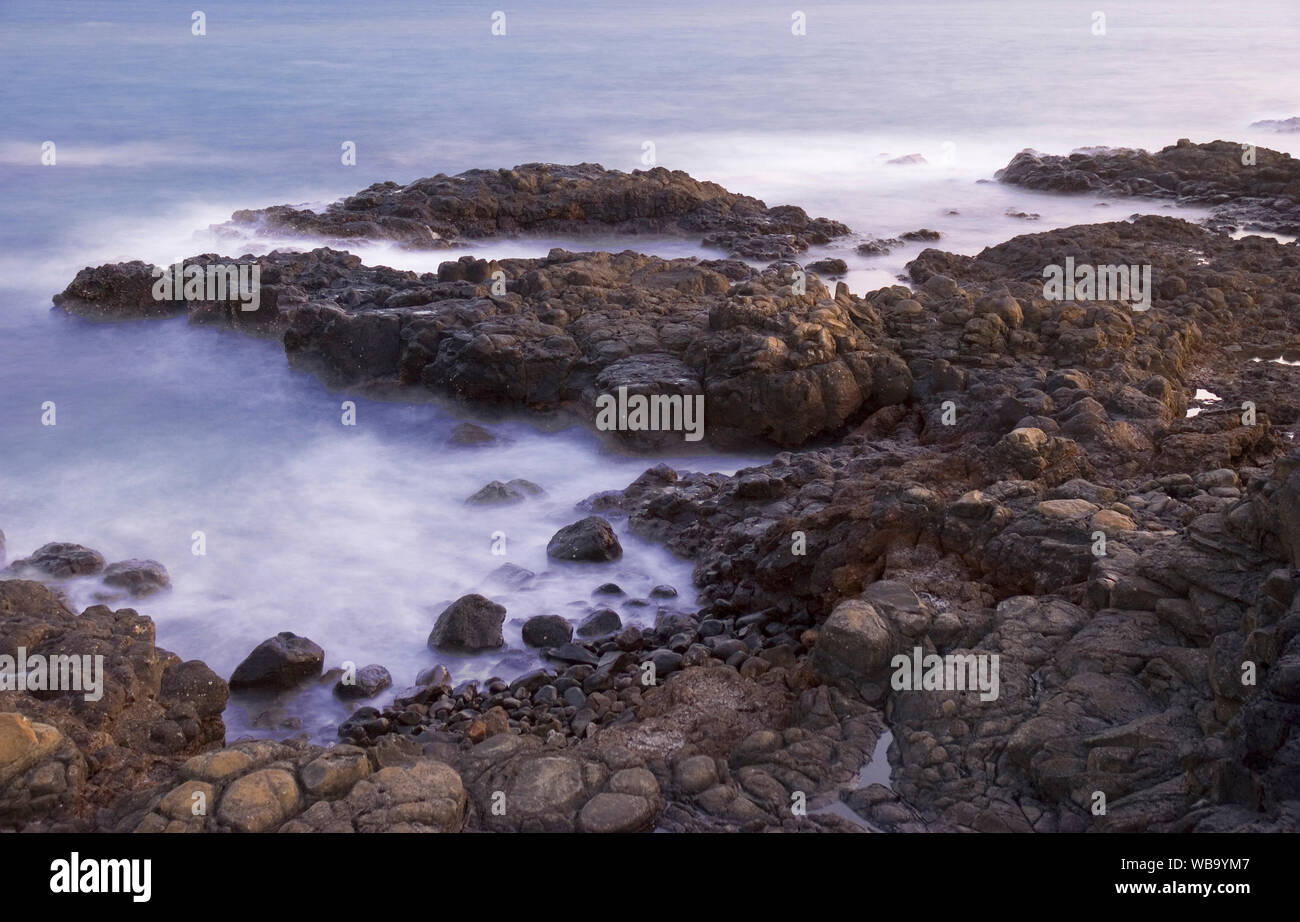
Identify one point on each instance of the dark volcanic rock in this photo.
(777, 357)
(547, 631)
(139, 577)
(591, 539)
(878, 247)
(282, 661)
(1121, 661)
(369, 681)
(194, 682)
(122, 291)
(600, 623)
(470, 623)
(65, 754)
(542, 198)
(61, 561)
(1256, 188)
(999, 478)
(829, 267)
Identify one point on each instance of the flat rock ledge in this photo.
(546, 198)
(1254, 188)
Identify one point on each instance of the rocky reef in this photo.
(1254, 188)
(968, 470)
(778, 357)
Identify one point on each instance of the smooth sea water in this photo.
(358, 536)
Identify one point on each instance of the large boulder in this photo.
(612, 812)
(424, 796)
(335, 772)
(543, 790)
(547, 631)
(194, 682)
(140, 578)
(427, 796)
(61, 560)
(468, 624)
(854, 644)
(41, 771)
(592, 539)
(368, 682)
(603, 622)
(282, 661)
(261, 801)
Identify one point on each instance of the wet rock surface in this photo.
(542, 198)
(71, 750)
(776, 357)
(140, 578)
(591, 540)
(1123, 664)
(60, 560)
(1250, 187)
(281, 661)
(470, 623)
(973, 472)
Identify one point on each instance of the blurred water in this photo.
(357, 536)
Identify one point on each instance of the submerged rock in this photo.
(1278, 124)
(471, 434)
(496, 493)
(828, 267)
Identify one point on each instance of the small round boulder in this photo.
(366, 683)
(468, 624)
(592, 540)
(281, 661)
(547, 631)
(138, 577)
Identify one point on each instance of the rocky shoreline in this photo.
(949, 452)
